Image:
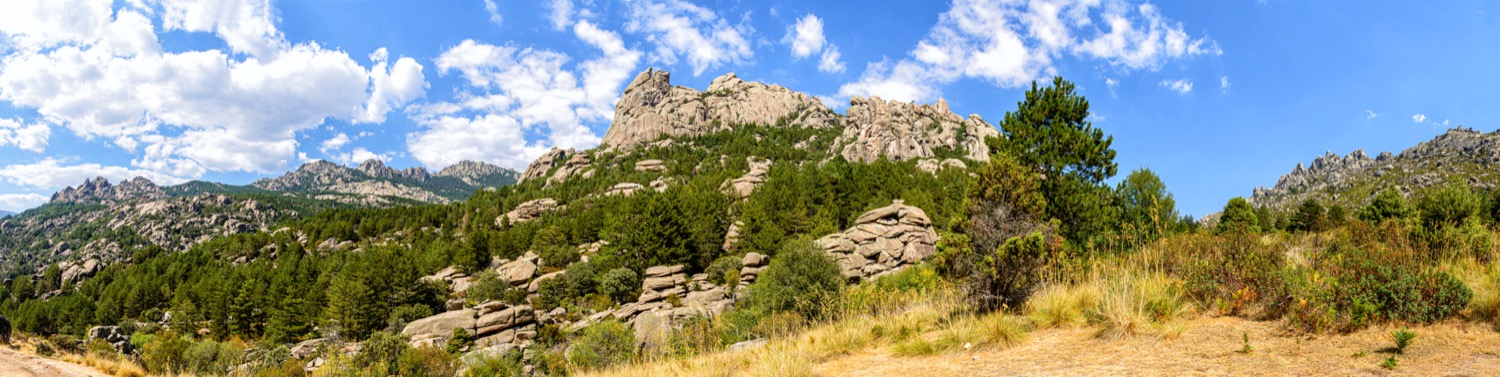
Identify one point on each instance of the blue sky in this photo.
(1216, 97)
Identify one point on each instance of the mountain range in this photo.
(98, 222)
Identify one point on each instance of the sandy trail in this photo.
(17, 364)
(1208, 347)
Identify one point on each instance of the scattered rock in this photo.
(528, 211)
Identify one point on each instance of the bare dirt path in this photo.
(18, 364)
(1207, 347)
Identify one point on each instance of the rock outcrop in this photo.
(1459, 154)
(742, 187)
(528, 211)
(98, 190)
(436, 329)
(904, 131)
(651, 108)
(477, 174)
(115, 336)
(881, 241)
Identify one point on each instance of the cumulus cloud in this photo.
(1419, 118)
(560, 12)
(334, 143)
(54, 174)
(680, 29)
(101, 72)
(805, 36)
(22, 201)
(512, 91)
(1370, 114)
(494, 11)
(30, 137)
(1181, 86)
(1009, 44)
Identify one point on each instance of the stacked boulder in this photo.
(527, 211)
(882, 240)
(499, 323)
(742, 187)
(750, 268)
(660, 283)
(115, 336)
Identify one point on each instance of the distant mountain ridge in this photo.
(1461, 154)
(98, 221)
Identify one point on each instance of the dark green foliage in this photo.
(4, 331)
(656, 230)
(1147, 210)
(381, 348)
(1402, 338)
(1337, 216)
(1449, 206)
(165, 354)
(487, 287)
(460, 341)
(507, 365)
(619, 284)
(1006, 277)
(1310, 217)
(724, 271)
(801, 279)
(1050, 132)
(1238, 217)
(602, 345)
(401, 316)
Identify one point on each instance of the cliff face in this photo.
(651, 108)
(903, 131)
(1458, 155)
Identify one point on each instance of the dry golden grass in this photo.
(111, 366)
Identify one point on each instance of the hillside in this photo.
(1460, 155)
(87, 227)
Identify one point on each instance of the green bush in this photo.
(165, 354)
(1310, 217)
(488, 287)
(558, 256)
(460, 341)
(1238, 217)
(427, 361)
(212, 358)
(619, 284)
(507, 365)
(1006, 277)
(381, 349)
(1449, 206)
(801, 279)
(724, 271)
(402, 315)
(602, 345)
(45, 349)
(1388, 204)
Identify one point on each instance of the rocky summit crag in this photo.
(1459, 155)
(654, 113)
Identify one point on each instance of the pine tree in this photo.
(1238, 217)
(1145, 204)
(1050, 132)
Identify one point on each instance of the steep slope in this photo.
(1458, 155)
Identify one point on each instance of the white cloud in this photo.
(1009, 44)
(21, 202)
(101, 72)
(334, 143)
(394, 87)
(1419, 118)
(494, 11)
(55, 174)
(513, 91)
(830, 62)
(677, 27)
(31, 137)
(360, 155)
(1370, 114)
(805, 36)
(1224, 83)
(1181, 86)
(1110, 82)
(560, 12)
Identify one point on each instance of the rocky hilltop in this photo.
(98, 190)
(651, 112)
(1460, 154)
(374, 183)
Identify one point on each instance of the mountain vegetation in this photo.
(731, 236)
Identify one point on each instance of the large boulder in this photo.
(440, 327)
(113, 335)
(518, 272)
(528, 211)
(882, 240)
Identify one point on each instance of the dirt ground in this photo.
(18, 364)
(1207, 347)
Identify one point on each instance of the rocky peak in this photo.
(377, 169)
(902, 131)
(651, 108)
(317, 173)
(98, 190)
(476, 173)
(1425, 164)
